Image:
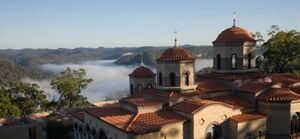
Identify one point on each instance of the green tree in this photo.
(69, 85)
(282, 49)
(7, 108)
(18, 98)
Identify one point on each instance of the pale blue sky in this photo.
(112, 23)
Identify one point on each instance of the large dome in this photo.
(175, 54)
(141, 72)
(234, 35)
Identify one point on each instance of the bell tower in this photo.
(176, 70)
(234, 51)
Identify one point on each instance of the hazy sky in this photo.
(110, 23)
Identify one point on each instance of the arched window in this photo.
(187, 78)
(80, 129)
(94, 132)
(131, 89)
(102, 134)
(139, 87)
(75, 125)
(160, 80)
(259, 134)
(87, 128)
(233, 61)
(295, 124)
(248, 136)
(172, 79)
(218, 61)
(214, 131)
(149, 85)
(249, 60)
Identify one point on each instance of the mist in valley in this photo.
(110, 81)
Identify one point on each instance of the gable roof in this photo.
(254, 86)
(208, 86)
(246, 117)
(278, 95)
(135, 123)
(141, 101)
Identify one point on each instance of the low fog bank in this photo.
(109, 81)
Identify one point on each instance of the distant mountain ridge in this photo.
(32, 58)
(17, 64)
(150, 56)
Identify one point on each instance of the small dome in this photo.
(234, 35)
(142, 72)
(175, 54)
(278, 95)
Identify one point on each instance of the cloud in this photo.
(45, 86)
(109, 80)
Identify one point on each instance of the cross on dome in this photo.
(142, 60)
(175, 36)
(234, 17)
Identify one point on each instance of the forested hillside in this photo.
(10, 72)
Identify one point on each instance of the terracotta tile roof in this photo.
(206, 85)
(142, 72)
(192, 106)
(234, 35)
(114, 116)
(136, 123)
(175, 54)
(232, 76)
(171, 94)
(246, 117)
(278, 95)
(285, 79)
(150, 122)
(79, 116)
(296, 89)
(234, 102)
(254, 86)
(141, 101)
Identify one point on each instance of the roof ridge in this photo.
(131, 122)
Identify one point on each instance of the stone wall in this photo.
(179, 68)
(172, 131)
(217, 114)
(278, 117)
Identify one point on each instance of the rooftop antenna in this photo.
(175, 36)
(142, 61)
(234, 17)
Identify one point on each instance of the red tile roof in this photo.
(142, 72)
(206, 85)
(136, 123)
(296, 89)
(175, 54)
(114, 116)
(193, 105)
(278, 95)
(234, 35)
(171, 94)
(285, 79)
(254, 86)
(141, 101)
(234, 102)
(232, 76)
(150, 122)
(79, 116)
(246, 117)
